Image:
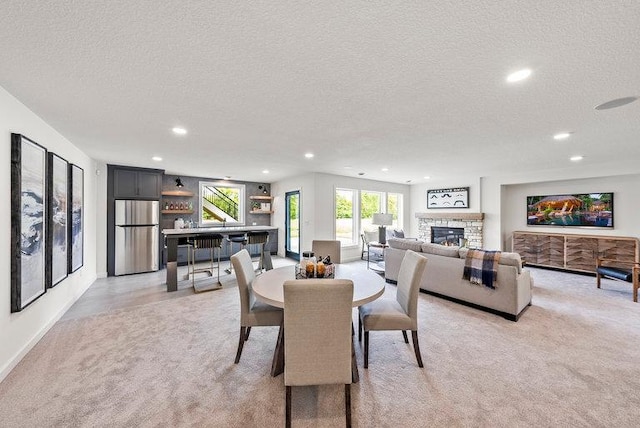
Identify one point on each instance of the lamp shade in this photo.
(381, 219)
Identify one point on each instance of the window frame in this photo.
(241, 203)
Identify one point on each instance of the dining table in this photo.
(268, 288)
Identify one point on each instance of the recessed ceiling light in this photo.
(519, 75)
(426, 177)
(576, 158)
(348, 167)
(265, 171)
(561, 136)
(615, 103)
(408, 181)
(308, 155)
(156, 158)
(385, 169)
(227, 177)
(361, 173)
(179, 131)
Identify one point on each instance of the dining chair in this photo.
(252, 311)
(327, 248)
(400, 313)
(317, 332)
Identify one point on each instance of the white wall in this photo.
(625, 199)
(318, 206)
(101, 219)
(20, 331)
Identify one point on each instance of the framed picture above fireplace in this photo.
(454, 197)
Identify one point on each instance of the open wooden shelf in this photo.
(261, 198)
(260, 212)
(177, 193)
(177, 211)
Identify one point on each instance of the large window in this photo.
(350, 202)
(394, 206)
(221, 203)
(370, 203)
(346, 230)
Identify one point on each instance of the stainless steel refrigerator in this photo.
(136, 245)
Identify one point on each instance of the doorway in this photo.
(292, 225)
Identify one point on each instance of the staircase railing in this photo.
(221, 201)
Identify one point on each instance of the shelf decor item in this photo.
(455, 197)
(76, 231)
(28, 221)
(57, 208)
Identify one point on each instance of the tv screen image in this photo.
(578, 209)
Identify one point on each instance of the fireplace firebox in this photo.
(447, 235)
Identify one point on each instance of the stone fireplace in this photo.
(471, 223)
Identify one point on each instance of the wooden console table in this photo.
(573, 252)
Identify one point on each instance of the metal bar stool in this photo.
(235, 239)
(261, 239)
(211, 242)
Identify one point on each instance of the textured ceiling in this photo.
(418, 87)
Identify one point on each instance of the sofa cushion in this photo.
(405, 244)
(440, 250)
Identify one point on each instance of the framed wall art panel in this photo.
(455, 197)
(58, 185)
(28, 221)
(75, 216)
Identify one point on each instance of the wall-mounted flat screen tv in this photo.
(578, 209)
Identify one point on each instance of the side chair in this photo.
(317, 332)
(400, 313)
(252, 311)
(327, 248)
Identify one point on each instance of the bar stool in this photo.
(261, 239)
(211, 242)
(235, 239)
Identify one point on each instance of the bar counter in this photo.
(173, 236)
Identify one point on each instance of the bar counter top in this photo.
(221, 230)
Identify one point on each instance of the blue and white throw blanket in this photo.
(481, 267)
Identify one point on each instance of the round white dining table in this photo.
(367, 285)
(268, 288)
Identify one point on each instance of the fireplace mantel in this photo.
(451, 216)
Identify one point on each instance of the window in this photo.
(394, 206)
(370, 202)
(346, 229)
(350, 201)
(221, 203)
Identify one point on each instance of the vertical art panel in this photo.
(58, 185)
(75, 216)
(28, 225)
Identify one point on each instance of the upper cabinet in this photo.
(136, 183)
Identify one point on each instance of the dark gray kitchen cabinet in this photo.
(136, 183)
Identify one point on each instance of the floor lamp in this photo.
(381, 220)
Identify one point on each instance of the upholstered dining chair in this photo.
(252, 311)
(400, 313)
(327, 248)
(317, 336)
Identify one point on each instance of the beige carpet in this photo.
(573, 359)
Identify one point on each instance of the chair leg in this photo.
(347, 404)
(359, 329)
(366, 349)
(404, 334)
(287, 405)
(416, 347)
(246, 336)
(598, 279)
(240, 344)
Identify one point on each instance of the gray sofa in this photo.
(443, 277)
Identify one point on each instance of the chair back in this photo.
(411, 270)
(327, 248)
(245, 275)
(317, 329)
(368, 237)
